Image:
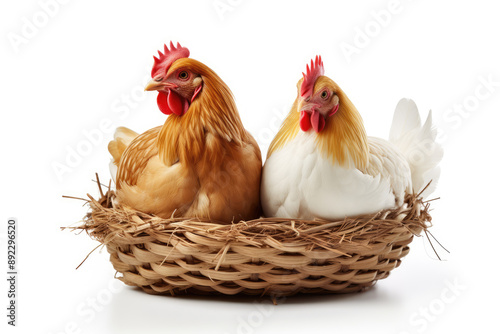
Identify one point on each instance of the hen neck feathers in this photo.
(343, 139)
(212, 112)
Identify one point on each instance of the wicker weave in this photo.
(267, 256)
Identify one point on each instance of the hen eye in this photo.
(324, 95)
(183, 75)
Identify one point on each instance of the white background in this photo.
(81, 70)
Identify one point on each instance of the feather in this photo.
(406, 118)
(122, 138)
(418, 144)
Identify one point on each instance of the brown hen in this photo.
(202, 162)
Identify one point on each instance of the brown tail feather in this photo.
(123, 137)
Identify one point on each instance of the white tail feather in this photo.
(418, 144)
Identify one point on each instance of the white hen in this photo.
(322, 164)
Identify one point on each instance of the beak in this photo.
(305, 105)
(158, 85)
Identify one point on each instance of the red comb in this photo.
(165, 60)
(311, 75)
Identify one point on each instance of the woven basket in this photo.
(267, 256)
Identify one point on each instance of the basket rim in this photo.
(108, 221)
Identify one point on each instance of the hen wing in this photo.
(145, 183)
(136, 157)
(389, 163)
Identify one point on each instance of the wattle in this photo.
(313, 119)
(172, 103)
(305, 121)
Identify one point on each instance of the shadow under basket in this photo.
(267, 256)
